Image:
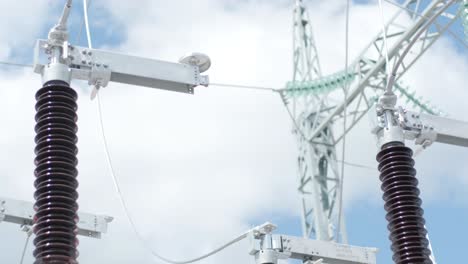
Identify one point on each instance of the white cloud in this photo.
(196, 170)
(21, 22)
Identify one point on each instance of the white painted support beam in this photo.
(22, 213)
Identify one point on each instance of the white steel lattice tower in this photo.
(309, 93)
(318, 170)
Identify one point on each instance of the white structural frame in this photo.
(56, 59)
(370, 65)
(269, 249)
(318, 188)
(424, 129)
(22, 213)
(319, 179)
(100, 67)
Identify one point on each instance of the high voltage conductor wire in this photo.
(119, 192)
(384, 32)
(392, 79)
(453, 34)
(343, 152)
(242, 87)
(28, 236)
(7, 63)
(83, 22)
(421, 149)
(296, 126)
(250, 87)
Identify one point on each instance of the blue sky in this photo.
(445, 207)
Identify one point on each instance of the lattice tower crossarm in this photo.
(319, 178)
(370, 64)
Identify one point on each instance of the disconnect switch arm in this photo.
(424, 129)
(100, 67)
(269, 249)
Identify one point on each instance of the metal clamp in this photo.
(415, 129)
(424, 129)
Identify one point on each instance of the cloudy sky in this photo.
(198, 170)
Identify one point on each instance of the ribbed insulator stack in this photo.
(403, 205)
(319, 86)
(55, 221)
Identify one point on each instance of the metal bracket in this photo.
(268, 249)
(100, 67)
(415, 129)
(424, 129)
(22, 213)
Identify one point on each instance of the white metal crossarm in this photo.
(315, 117)
(370, 65)
(100, 67)
(269, 249)
(330, 253)
(22, 212)
(424, 129)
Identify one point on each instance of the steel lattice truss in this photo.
(309, 95)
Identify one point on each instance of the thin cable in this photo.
(453, 34)
(276, 90)
(251, 87)
(127, 213)
(303, 136)
(86, 20)
(411, 44)
(356, 165)
(279, 91)
(343, 152)
(384, 31)
(119, 191)
(83, 23)
(16, 64)
(25, 246)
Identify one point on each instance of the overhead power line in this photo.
(119, 191)
(240, 86)
(29, 232)
(405, 52)
(453, 34)
(16, 64)
(343, 152)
